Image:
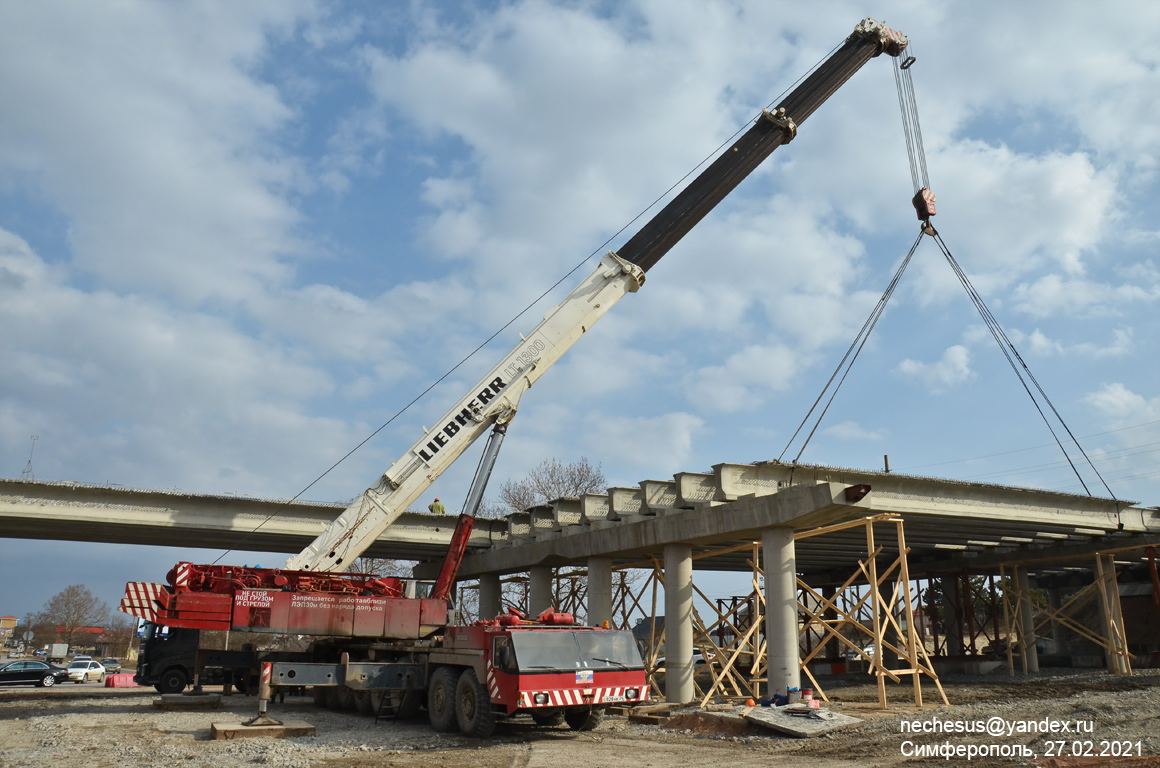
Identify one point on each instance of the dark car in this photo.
(112, 666)
(32, 673)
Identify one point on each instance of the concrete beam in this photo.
(75, 512)
(1056, 553)
(800, 507)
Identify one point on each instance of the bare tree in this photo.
(71, 610)
(381, 566)
(552, 479)
(119, 634)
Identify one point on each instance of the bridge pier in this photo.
(490, 596)
(679, 623)
(599, 590)
(781, 610)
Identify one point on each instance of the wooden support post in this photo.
(1007, 620)
(877, 624)
(908, 611)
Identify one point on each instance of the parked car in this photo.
(40, 652)
(32, 673)
(82, 671)
(112, 666)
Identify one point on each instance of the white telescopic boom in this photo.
(494, 399)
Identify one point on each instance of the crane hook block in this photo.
(782, 121)
(923, 201)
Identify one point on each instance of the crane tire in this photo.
(583, 719)
(473, 707)
(549, 718)
(172, 681)
(406, 703)
(441, 699)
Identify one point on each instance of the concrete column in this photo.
(539, 590)
(952, 625)
(679, 623)
(781, 614)
(1027, 623)
(490, 603)
(599, 590)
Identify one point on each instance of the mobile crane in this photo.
(382, 636)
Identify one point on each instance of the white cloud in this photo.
(1054, 294)
(1120, 404)
(953, 368)
(852, 430)
(1120, 344)
(658, 445)
(745, 380)
(146, 129)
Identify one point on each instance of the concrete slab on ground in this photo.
(236, 730)
(801, 727)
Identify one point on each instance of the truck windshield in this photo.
(566, 651)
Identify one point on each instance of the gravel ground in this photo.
(75, 726)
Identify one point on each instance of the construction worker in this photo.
(437, 508)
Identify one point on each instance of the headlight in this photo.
(631, 693)
(541, 698)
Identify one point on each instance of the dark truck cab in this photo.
(170, 659)
(167, 657)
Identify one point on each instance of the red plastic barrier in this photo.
(120, 681)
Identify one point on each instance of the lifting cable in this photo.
(534, 302)
(850, 356)
(1019, 366)
(924, 204)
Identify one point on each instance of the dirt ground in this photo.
(84, 725)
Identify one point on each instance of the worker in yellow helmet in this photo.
(437, 508)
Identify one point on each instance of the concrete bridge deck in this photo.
(76, 512)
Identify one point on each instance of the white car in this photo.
(81, 671)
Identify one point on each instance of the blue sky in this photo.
(235, 238)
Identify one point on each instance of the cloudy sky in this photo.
(236, 238)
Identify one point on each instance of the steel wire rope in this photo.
(1029, 448)
(854, 349)
(1116, 455)
(525, 310)
(1012, 354)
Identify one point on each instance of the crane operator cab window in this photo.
(415, 589)
(503, 656)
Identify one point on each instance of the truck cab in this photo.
(553, 670)
(167, 657)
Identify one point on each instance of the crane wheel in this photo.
(406, 703)
(473, 707)
(319, 693)
(584, 719)
(441, 699)
(172, 681)
(363, 703)
(549, 718)
(346, 699)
